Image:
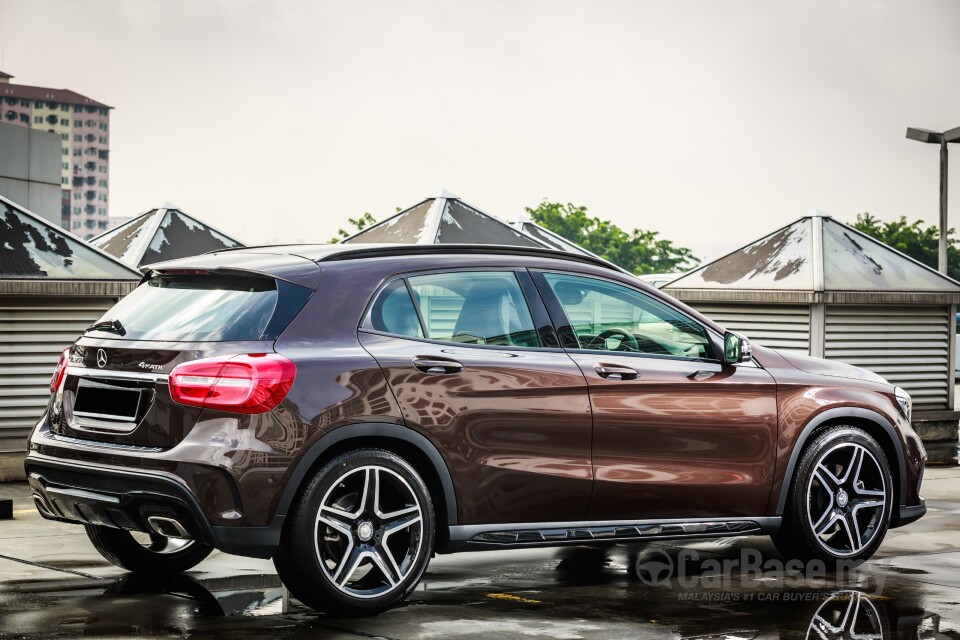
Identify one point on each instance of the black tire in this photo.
(163, 557)
(342, 566)
(833, 494)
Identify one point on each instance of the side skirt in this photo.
(549, 534)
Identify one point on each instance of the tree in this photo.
(637, 251)
(358, 224)
(919, 242)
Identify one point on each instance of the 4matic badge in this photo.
(152, 367)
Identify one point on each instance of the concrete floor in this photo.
(53, 584)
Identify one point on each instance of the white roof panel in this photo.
(816, 253)
(31, 247)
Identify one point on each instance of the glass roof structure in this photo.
(32, 248)
(816, 254)
(445, 220)
(162, 234)
(549, 238)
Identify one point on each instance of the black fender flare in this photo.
(834, 415)
(371, 430)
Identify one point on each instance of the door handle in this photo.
(612, 372)
(437, 365)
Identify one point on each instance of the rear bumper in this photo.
(83, 493)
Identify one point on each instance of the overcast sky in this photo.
(711, 122)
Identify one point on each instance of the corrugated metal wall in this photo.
(440, 310)
(776, 326)
(33, 332)
(907, 345)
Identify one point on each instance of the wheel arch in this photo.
(875, 424)
(407, 443)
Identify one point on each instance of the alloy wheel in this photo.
(846, 499)
(368, 531)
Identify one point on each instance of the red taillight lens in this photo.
(60, 371)
(251, 383)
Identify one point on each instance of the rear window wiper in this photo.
(112, 326)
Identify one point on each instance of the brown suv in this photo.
(350, 410)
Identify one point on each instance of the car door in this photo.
(478, 370)
(677, 434)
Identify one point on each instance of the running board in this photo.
(559, 533)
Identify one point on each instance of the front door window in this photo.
(604, 316)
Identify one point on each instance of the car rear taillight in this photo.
(59, 372)
(251, 383)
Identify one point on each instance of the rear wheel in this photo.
(840, 500)
(147, 553)
(360, 536)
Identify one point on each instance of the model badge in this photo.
(152, 367)
(101, 358)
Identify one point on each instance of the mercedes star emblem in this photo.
(101, 358)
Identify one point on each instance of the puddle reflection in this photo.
(604, 597)
(257, 595)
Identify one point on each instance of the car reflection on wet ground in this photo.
(53, 585)
(530, 594)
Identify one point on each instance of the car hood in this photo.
(822, 367)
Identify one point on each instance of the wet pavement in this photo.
(53, 584)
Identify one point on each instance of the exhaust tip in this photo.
(167, 527)
(41, 504)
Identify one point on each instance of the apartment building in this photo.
(83, 125)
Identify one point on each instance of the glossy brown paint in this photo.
(803, 396)
(684, 440)
(248, 456)
(166, 424)
(515, 430)
(338, 383)
(514, 426)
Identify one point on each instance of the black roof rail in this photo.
(387, 250)
(337, 252)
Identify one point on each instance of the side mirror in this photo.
(736, 348)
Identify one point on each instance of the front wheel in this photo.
(360, 536)
(147, 553)
(840, 499)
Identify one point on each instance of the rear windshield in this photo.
(204, 309)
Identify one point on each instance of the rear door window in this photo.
(204, 308)
(486, 308)
(466, 307)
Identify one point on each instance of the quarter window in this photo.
(604, 316)
(393, 312)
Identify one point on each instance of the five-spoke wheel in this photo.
(846, 499)
(368, 531)
(840, 499)
(360, 536)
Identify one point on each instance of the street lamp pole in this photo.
(942, 139)
(944, 226)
